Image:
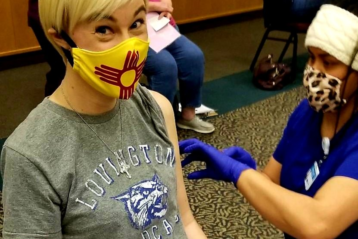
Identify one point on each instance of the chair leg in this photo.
(289, 41)
(253, 63)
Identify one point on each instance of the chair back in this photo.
(276, 11)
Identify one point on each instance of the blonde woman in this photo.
(97, 159)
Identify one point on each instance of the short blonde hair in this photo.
(63, 15)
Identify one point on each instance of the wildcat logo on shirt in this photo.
(143, 204)
(145, 201)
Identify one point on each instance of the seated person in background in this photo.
(181, 60)
(53, 58)
(99, 158)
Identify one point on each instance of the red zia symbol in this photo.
(113, 76)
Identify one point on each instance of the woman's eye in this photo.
(137, 24)
(103, 30)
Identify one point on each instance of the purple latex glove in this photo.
(227, 165)
(241, 155)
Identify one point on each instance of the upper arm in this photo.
(273, 170)
(339, 199)
(168, 114)
(339, 196)
(31, 206)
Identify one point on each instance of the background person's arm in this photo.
(191, 227)
(160, 7)
(167, 14)
(169, 2)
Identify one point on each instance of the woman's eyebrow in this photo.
(327, 56)
(140, 9)
(95, 17)
(323, 55)
(112, 19)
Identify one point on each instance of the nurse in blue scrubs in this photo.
(309, 188)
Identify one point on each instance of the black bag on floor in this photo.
(270, 75)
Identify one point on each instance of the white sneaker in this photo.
(197, 125)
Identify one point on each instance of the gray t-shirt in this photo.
(60, 181)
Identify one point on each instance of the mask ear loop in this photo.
(72, 44)
(350, 70)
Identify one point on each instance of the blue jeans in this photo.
(182, 60)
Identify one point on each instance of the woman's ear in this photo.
(58, 39)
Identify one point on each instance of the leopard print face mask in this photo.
(323, 90)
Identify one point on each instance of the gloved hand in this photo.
(241, 155)
(227, 165)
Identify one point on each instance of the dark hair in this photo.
(349, 5)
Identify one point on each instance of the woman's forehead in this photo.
(317, 50)
(108, 9)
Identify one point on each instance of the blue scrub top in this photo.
(301, 146)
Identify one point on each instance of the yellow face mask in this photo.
(114, 72)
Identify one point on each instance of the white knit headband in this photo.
(335, 31)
